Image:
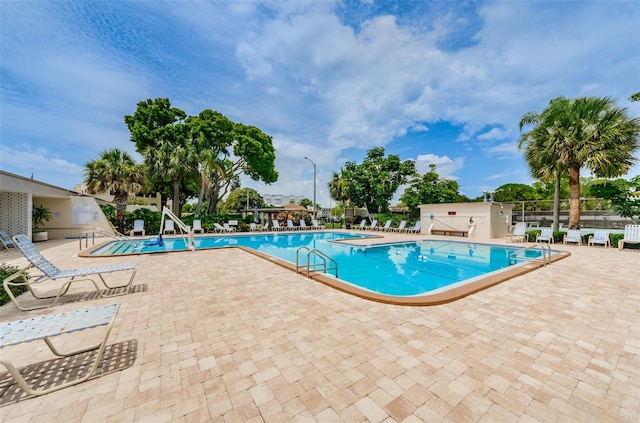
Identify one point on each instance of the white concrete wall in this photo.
(492, 220)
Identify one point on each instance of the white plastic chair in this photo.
(197, 226)
(519, 233)
(400, 228)
(572, 235)
(169, 226)
(138, 228)
(600, 237)
(631, 236)
(546, 235)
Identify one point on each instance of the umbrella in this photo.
(255, 215)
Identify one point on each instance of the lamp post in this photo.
(314, 186)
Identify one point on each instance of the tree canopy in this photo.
(208, 151)
(429, 189)
(373, 183)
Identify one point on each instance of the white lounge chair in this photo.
(6, 240)
(600, 236)
(546, 235)
(50, 271)
(169, 226)
(314, 224)
(265, 227)
(362, 223)
(519, 233)
(373, 225)
(303, 225)
(572, 235)
(386, 226)
(228, 228)
(276, 225)
(631, 236)
(197, 226)
(50, 326)
(415, 229)
(400, 228)
(138, 228)
(291, 226)
(219, 228)
(253, 227)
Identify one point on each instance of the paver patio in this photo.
(223, 336)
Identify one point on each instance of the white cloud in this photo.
(445, 166)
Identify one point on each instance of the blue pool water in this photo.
(398, 269)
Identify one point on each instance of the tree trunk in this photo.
(121, 209)
(175, 207)
(574, 198)
(556, 204)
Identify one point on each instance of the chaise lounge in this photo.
(50, 271)
(631, 236)
(47, 327)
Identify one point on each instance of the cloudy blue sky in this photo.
(438, 82)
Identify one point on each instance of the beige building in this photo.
(477, 220)
(72, 212)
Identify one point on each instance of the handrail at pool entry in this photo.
(320, 266)
(185, 228)
(546, 254)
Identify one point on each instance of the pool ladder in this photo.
(326, 264)
(546, 254)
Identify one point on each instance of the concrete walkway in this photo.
(224, 336)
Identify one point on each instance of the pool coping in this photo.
(442, 296)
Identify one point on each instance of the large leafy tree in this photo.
(515, 192)
(161, 136)
(624, 195)
(429, 189)
(239, 199)
(117, 173)
(374, 182)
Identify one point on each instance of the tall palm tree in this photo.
(340, 187)
(540, 145)
(588, 132)
(117, 173)
(172, 161)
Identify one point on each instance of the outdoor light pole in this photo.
(314, 186)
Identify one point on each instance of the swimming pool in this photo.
(387, 272)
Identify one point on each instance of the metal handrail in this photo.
(546, 254)
(188, 240)
(316, 267)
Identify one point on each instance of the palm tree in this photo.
(541, 145)
(117, 173)
(171, 161)
(586, 132)
(339, 187)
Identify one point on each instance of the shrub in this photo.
(7, 270)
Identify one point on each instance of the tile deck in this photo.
(224, 336)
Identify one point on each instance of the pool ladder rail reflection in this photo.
(545, 259)
(325, 264)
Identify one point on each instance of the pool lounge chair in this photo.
(400, 227)
(386, 226)
(265, 227)
(50, 326)
(138, 228)
(6, 240)
(631, 236)
(519, 233)
(546, 235)
(222, 229)
(373, 225)
(50, 271)
(415, 229)
(197, 226)
(600, 237)
(362, 223)
(169, 226)
(314, 224)
(573, 235)
(228, 228)
(303, 225)
(291, 226)
(276, 225)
